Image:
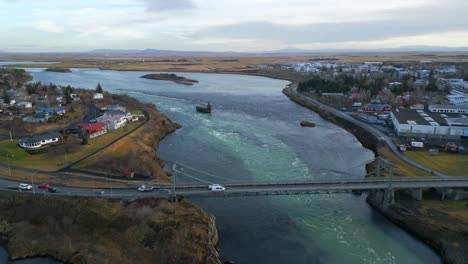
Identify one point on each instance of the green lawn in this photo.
(448, 163)
(400, 167)
(9, 151)
(136, 112)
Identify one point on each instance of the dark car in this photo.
(52, 189)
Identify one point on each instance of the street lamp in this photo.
(32, 182)
(8, 159)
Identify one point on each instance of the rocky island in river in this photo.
(63, 70)
(170, 77)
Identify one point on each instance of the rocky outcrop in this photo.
(85, 230)
(307, 124)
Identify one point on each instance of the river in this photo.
(253, 134)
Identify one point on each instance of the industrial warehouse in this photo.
(440, 121)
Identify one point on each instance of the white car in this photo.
(145, 188)
(25, 187)
(216, 187)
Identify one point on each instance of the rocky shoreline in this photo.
(451, 244)
(170, 77)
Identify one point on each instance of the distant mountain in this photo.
(420, 48)
(157, 52)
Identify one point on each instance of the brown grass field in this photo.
(220, 63)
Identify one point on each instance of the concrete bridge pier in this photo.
(416, 194)
(385, 197)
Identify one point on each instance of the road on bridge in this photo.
(247, 189)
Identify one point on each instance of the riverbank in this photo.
(441, 224)
(90, 230)
(406, 213)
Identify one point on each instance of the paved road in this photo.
(378, 133)
(159, 191)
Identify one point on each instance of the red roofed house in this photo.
(417, 106)
(378, 108)
(94, 129)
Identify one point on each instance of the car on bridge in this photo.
(216, 187)
(25, 187)
(145, 188)
(44, 186)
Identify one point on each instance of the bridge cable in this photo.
(193, 177)
(205, 173)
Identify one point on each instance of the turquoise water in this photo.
(253, 134)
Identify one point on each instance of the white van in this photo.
(216, 187)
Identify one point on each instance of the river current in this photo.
(253, 134)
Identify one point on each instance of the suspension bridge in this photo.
(375, 182)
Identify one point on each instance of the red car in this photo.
(44, 186)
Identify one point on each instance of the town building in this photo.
(25, 104)
(451, 109)
(98, 96)
(412, 123)
(38, 141)
(37, 118)
(52, 111)
(113, 122)
(377, 108)
(94, 129)
(457, 99)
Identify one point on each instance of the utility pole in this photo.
(11, 137)
(390, 172)
(32, 182)
(379, 165)
(8, 159)
(174, 167)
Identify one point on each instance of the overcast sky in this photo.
(222, 25)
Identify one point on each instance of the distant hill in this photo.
(289, 50)
(420, 48)
(157, 52)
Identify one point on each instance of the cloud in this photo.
(48, 26)
(392, 23)
(168, 5)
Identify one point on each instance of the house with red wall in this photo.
(94, 129)
(377, 108)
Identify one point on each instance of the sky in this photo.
(222, 25)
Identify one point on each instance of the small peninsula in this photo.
(63, 70)
(170, 77)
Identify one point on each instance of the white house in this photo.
(25, 104)
(98, 96)
(113, 122)
(37, 141)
